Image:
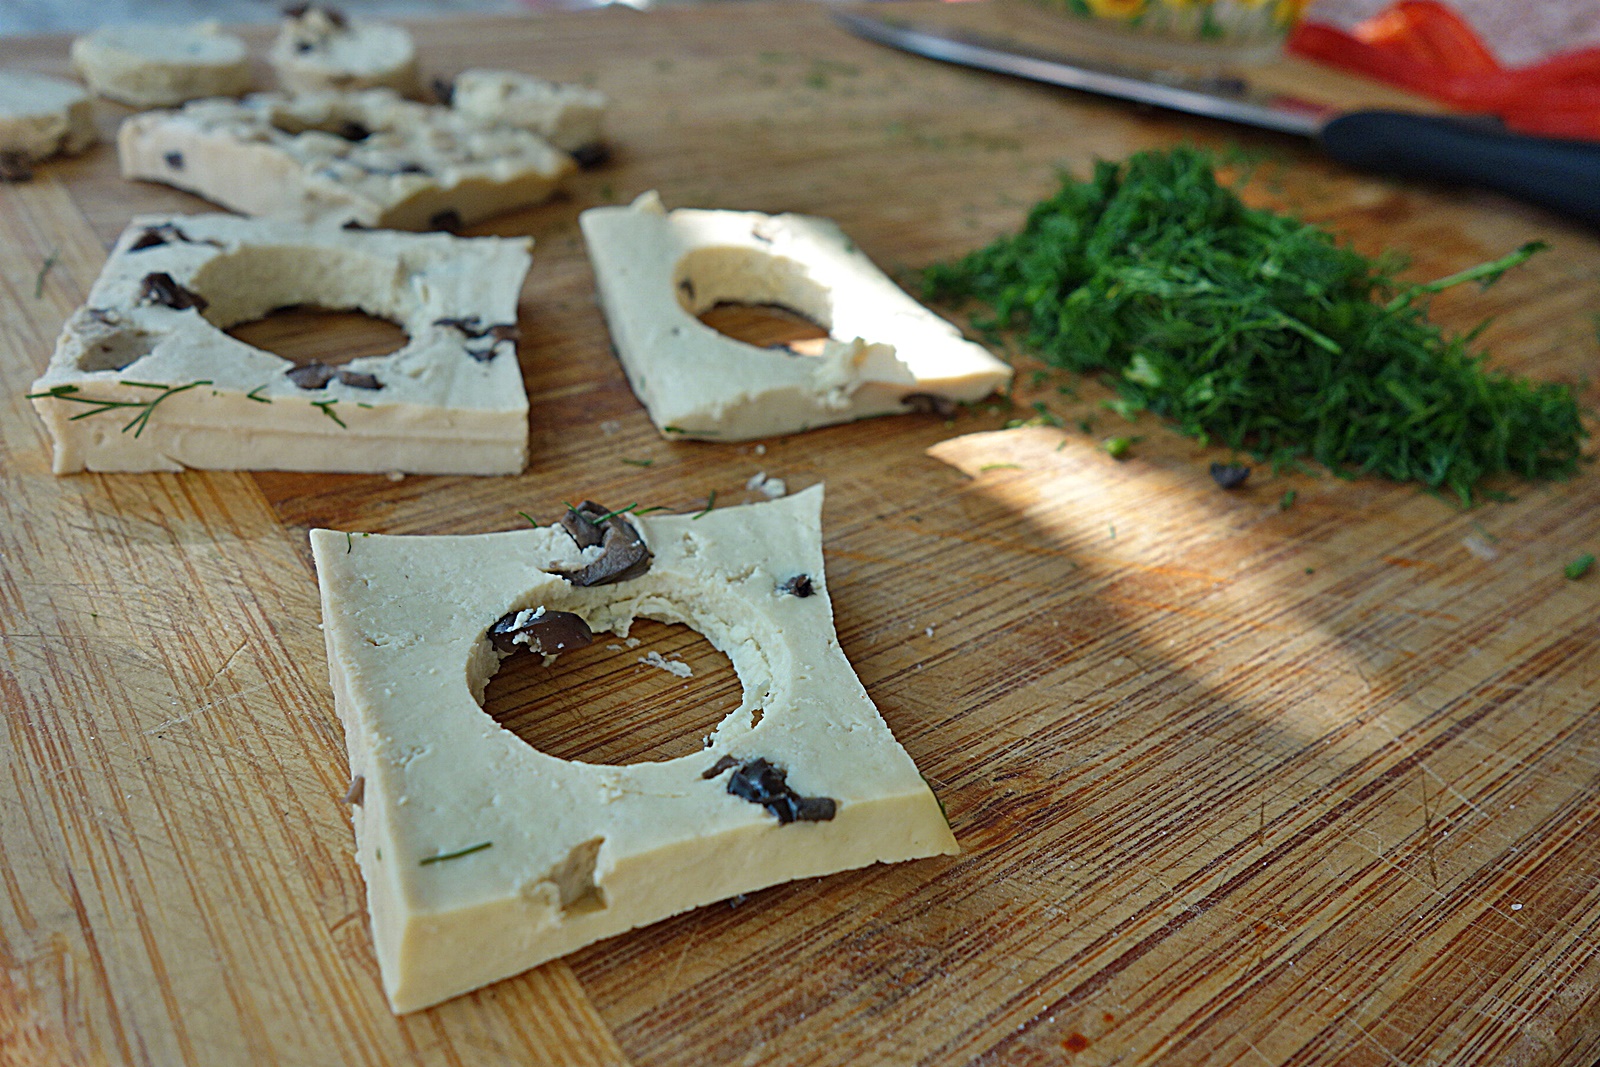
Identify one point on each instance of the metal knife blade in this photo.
(1562, 176)
(1230, 99)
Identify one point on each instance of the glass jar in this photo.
(1223, 31)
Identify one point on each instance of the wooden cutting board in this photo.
(1234, 783)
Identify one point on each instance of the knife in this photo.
(1562, 176)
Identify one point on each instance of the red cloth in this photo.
(1425, 46)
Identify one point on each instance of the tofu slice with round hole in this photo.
(657, 270)
(144, 377)
(484, 857)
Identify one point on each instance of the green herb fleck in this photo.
(251, 395)
(638, 462)
(1286, 501)
(1119, 447)
(1000, 467)
(1259, 331)
(711, 502)
(1579, 567)
(469, 850)
(326, 407)
(49, 262)
(936, 799)
(535, 522)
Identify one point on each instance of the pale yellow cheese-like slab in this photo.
(135, 385)
(558, 854)
(366, 157)
(657, 270)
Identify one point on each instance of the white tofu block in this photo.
(367, 157)
(657, 270)
(41, 116)
(318, 48)
(144, 379)
(159, 66)
(484, 857)
(568, 116)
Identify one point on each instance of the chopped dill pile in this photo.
(1259, 331)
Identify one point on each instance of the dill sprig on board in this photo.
(1259, 331)
(145, 408)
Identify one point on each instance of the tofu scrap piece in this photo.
(144, 379)
(42, 116)
(568, 116)
(319, 48)
(484, 857)
(159, 66)
(657, 270)
(370, 158)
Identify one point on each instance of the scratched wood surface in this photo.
(1234, 783)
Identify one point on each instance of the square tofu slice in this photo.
(144, 378)
(484, 857)
(367, 157)
(658, 270)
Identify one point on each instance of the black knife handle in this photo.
(1563, 176)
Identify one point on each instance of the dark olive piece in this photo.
(352, 224)
(352, 130)
(359, 380)
(759, 782)
(623, 554)
(162, 233)
(800, 586)
(448, 220)
(592, 155)
(928, 404)
(15, 167)
(548, 633)
(174, 160)
(1229, 475)
(332, 14)
(312, 375)
(160, 288)
(581, 525)
(444, 90)
(473, 327)
(718, 767)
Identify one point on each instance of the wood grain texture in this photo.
(1234, 783)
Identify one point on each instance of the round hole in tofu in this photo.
(601, 704)
(308, 304)
(308, 334)
(765, 300)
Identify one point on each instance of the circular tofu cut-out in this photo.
(759, 298)
(766, 326)
(616, 702)
(252, 281)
